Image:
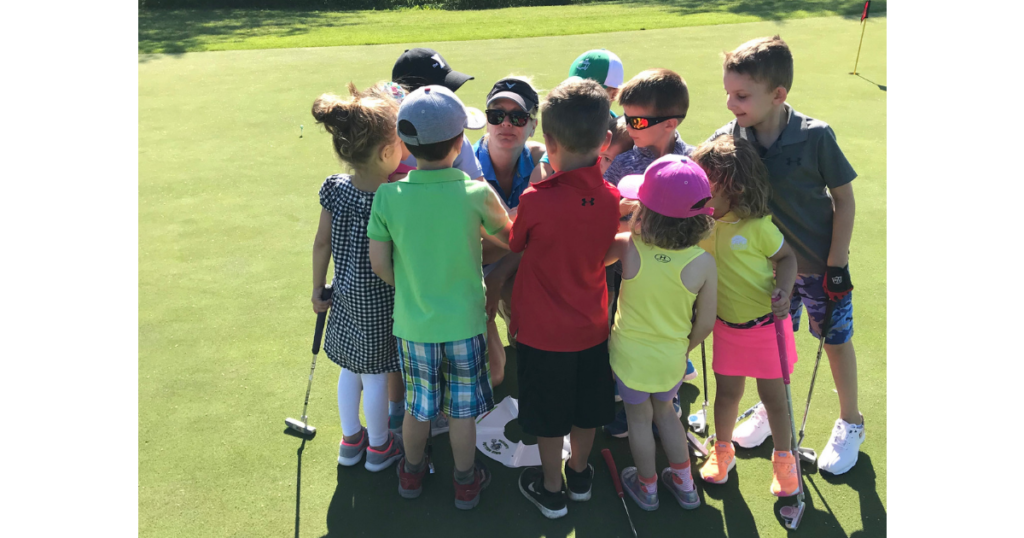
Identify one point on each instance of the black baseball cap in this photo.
(518, 90)
(424, 67)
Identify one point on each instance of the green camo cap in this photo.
(600, 65)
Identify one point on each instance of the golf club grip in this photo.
(607, 455)
(780, 337)
(318, 333)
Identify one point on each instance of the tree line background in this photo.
(341, 5)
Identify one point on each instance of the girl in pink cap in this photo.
(745, 245)
(665, 277)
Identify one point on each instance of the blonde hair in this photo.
(669, 233)
(765, 59)
(735, 171)
(359, 124)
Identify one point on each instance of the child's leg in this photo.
(462, 435)
(671, 431)
(641, 439)
(728, 393)
(467, 395)
(375, 408)
(551, 461)
(350, 388)
(396, 397)
(773, 396)
(581, 440)
(495, 354)
(843, 361)
(421, 363)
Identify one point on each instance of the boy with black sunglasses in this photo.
(654, 102)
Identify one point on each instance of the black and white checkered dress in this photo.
(359, 326)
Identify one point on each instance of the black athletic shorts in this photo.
(559, 390)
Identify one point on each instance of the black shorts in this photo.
(559, 390)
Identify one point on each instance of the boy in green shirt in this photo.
(424, 239)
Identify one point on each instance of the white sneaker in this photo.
(840, 455)
(754, 430)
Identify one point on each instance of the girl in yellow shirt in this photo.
(665, 277)
(745, 245)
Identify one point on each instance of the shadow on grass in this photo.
(178, 31)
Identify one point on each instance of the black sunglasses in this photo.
(517, 118)
(640, 123)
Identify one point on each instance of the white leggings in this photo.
(374, 389)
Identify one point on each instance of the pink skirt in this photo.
(751, 352)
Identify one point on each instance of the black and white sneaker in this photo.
(579, 484)
(531, 483)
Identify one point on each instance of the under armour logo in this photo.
(585, 64)
(510, 84)
(585, 201)
(789, 161)
(662, 258)
(437, 58)
(837, 280)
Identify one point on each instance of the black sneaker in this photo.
(531, 483)
(579, 484)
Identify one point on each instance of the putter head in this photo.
(791, 515)
(698, 422)
(299, 429)
(696, 447)
(807, 454)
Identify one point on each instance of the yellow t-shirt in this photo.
(745, 279)
(647, 346)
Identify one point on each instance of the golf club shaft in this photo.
(826, 326)
(780, 339)
(318, 336)
(610, 462)
(704, 372)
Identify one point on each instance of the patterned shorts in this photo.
(467, 378)
(809, 292)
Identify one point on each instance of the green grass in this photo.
(227, 212)
(174, 31)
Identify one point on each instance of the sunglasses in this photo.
(640, 123)
(517, 118)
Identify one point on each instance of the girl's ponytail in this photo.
(358, 124)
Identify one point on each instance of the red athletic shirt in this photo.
(564, 228)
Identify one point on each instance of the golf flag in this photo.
(863, 26)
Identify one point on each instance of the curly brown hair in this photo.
(358, 124)
(735, 171)
(669, 233)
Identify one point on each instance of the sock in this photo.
(648, 485)
(465, 477)
(782, 453)
(396, 409)
(375, 393)
(350, 389)
(682, 476)
(410, 468)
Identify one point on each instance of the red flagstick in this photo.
(863, 26)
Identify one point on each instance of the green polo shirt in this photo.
(433, 219)
(803, 164)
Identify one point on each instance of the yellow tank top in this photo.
(648, 342)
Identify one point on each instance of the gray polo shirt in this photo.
(802, 164)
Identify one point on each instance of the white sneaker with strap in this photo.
(754, 430)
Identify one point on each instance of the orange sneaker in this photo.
(785, 482)
(721, 460)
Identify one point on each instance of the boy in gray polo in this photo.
(812, 204)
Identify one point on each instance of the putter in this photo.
(808, 454)
(699, 420)
(607, 455)
(302, 428)
(791, 515)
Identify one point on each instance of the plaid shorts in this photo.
(467, 376)
(809, 292)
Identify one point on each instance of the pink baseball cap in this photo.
(671, 185)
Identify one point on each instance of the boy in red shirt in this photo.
(560, 300)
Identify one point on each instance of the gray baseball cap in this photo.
(434, 114)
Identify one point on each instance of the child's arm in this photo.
(706, 303)
(618, 248)
(541, 172)
(495, 281)
(842, 225)
(785, 278)
(626, 207)
(321, 258)
(380, 260)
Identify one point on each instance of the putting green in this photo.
(227, 212)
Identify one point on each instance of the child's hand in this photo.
(318, 304)
(492, 297)
(780, 303)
